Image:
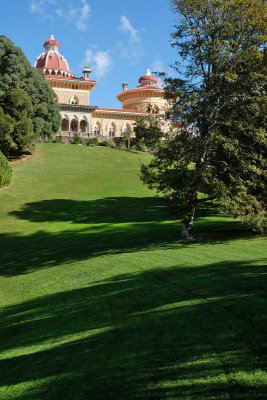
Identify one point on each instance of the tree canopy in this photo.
(220, 96)
(17, 73)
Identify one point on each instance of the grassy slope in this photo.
(102, 301)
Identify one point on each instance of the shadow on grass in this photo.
(107, 210)
(176, 333)
(110, 226)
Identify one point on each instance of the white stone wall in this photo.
(105, 121)
(66, 95)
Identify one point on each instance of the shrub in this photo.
(108, 142)
(93, 141)
(76, 139)
(57, 139)
(5, 171)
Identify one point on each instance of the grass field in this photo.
(101, 300)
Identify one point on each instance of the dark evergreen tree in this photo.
(16, 128)
(16, 72)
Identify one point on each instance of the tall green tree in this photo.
(148, 134)
(221, 95)
(16, 127)
(126, 137)
(16, 72)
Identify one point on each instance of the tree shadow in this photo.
(107, 210)
(110, 226)
(176, 333)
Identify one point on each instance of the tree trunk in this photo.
(189, 220)
(190, 203)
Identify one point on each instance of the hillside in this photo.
(101, 300)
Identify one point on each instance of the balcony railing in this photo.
(81, 134)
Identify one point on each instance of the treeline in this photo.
(28, 109)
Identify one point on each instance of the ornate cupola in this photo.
(51, 44)
(148, 79)
(143, 97)
(51, 61)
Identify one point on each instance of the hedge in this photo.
(5, 171)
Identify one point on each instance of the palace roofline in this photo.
(76, 107)
(121, 111)
(68, 78)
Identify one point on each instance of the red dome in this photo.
(51, 60)
(150, 78)
(52, 42)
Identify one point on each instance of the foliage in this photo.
(5, 171)
(16, 133)
(126, 137)
(108, 142)
(7, 124)
(76, 138)
(148, 134)
(93, 141)
(139, 129)
(222, 98)
(16, 72)
(57, 139)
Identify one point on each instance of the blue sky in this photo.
(119, 39)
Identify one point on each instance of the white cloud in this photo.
(77, 15)
(59, 12)
(131, 48)
(83, 18)
(71, 14)
(100, 62)
(128, 28)
(38, 6)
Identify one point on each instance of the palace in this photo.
(73, 97)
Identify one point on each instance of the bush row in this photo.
(5, 171)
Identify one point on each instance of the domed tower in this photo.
(51, 61)
(147, 97)
(72, 93)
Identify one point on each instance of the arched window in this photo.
(111, 131)
(74, 125)
(65, 124)
(96, 130)
(74, 100)
(83, 126)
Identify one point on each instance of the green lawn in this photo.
(101, 300)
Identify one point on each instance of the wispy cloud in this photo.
(100, 61)
(84, 15)
(77, 15)
(127, 27)
(158, 66)
(38, 6)
(131, 48)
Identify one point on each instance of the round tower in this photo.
(147, 97)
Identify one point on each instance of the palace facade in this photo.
(73, 97)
